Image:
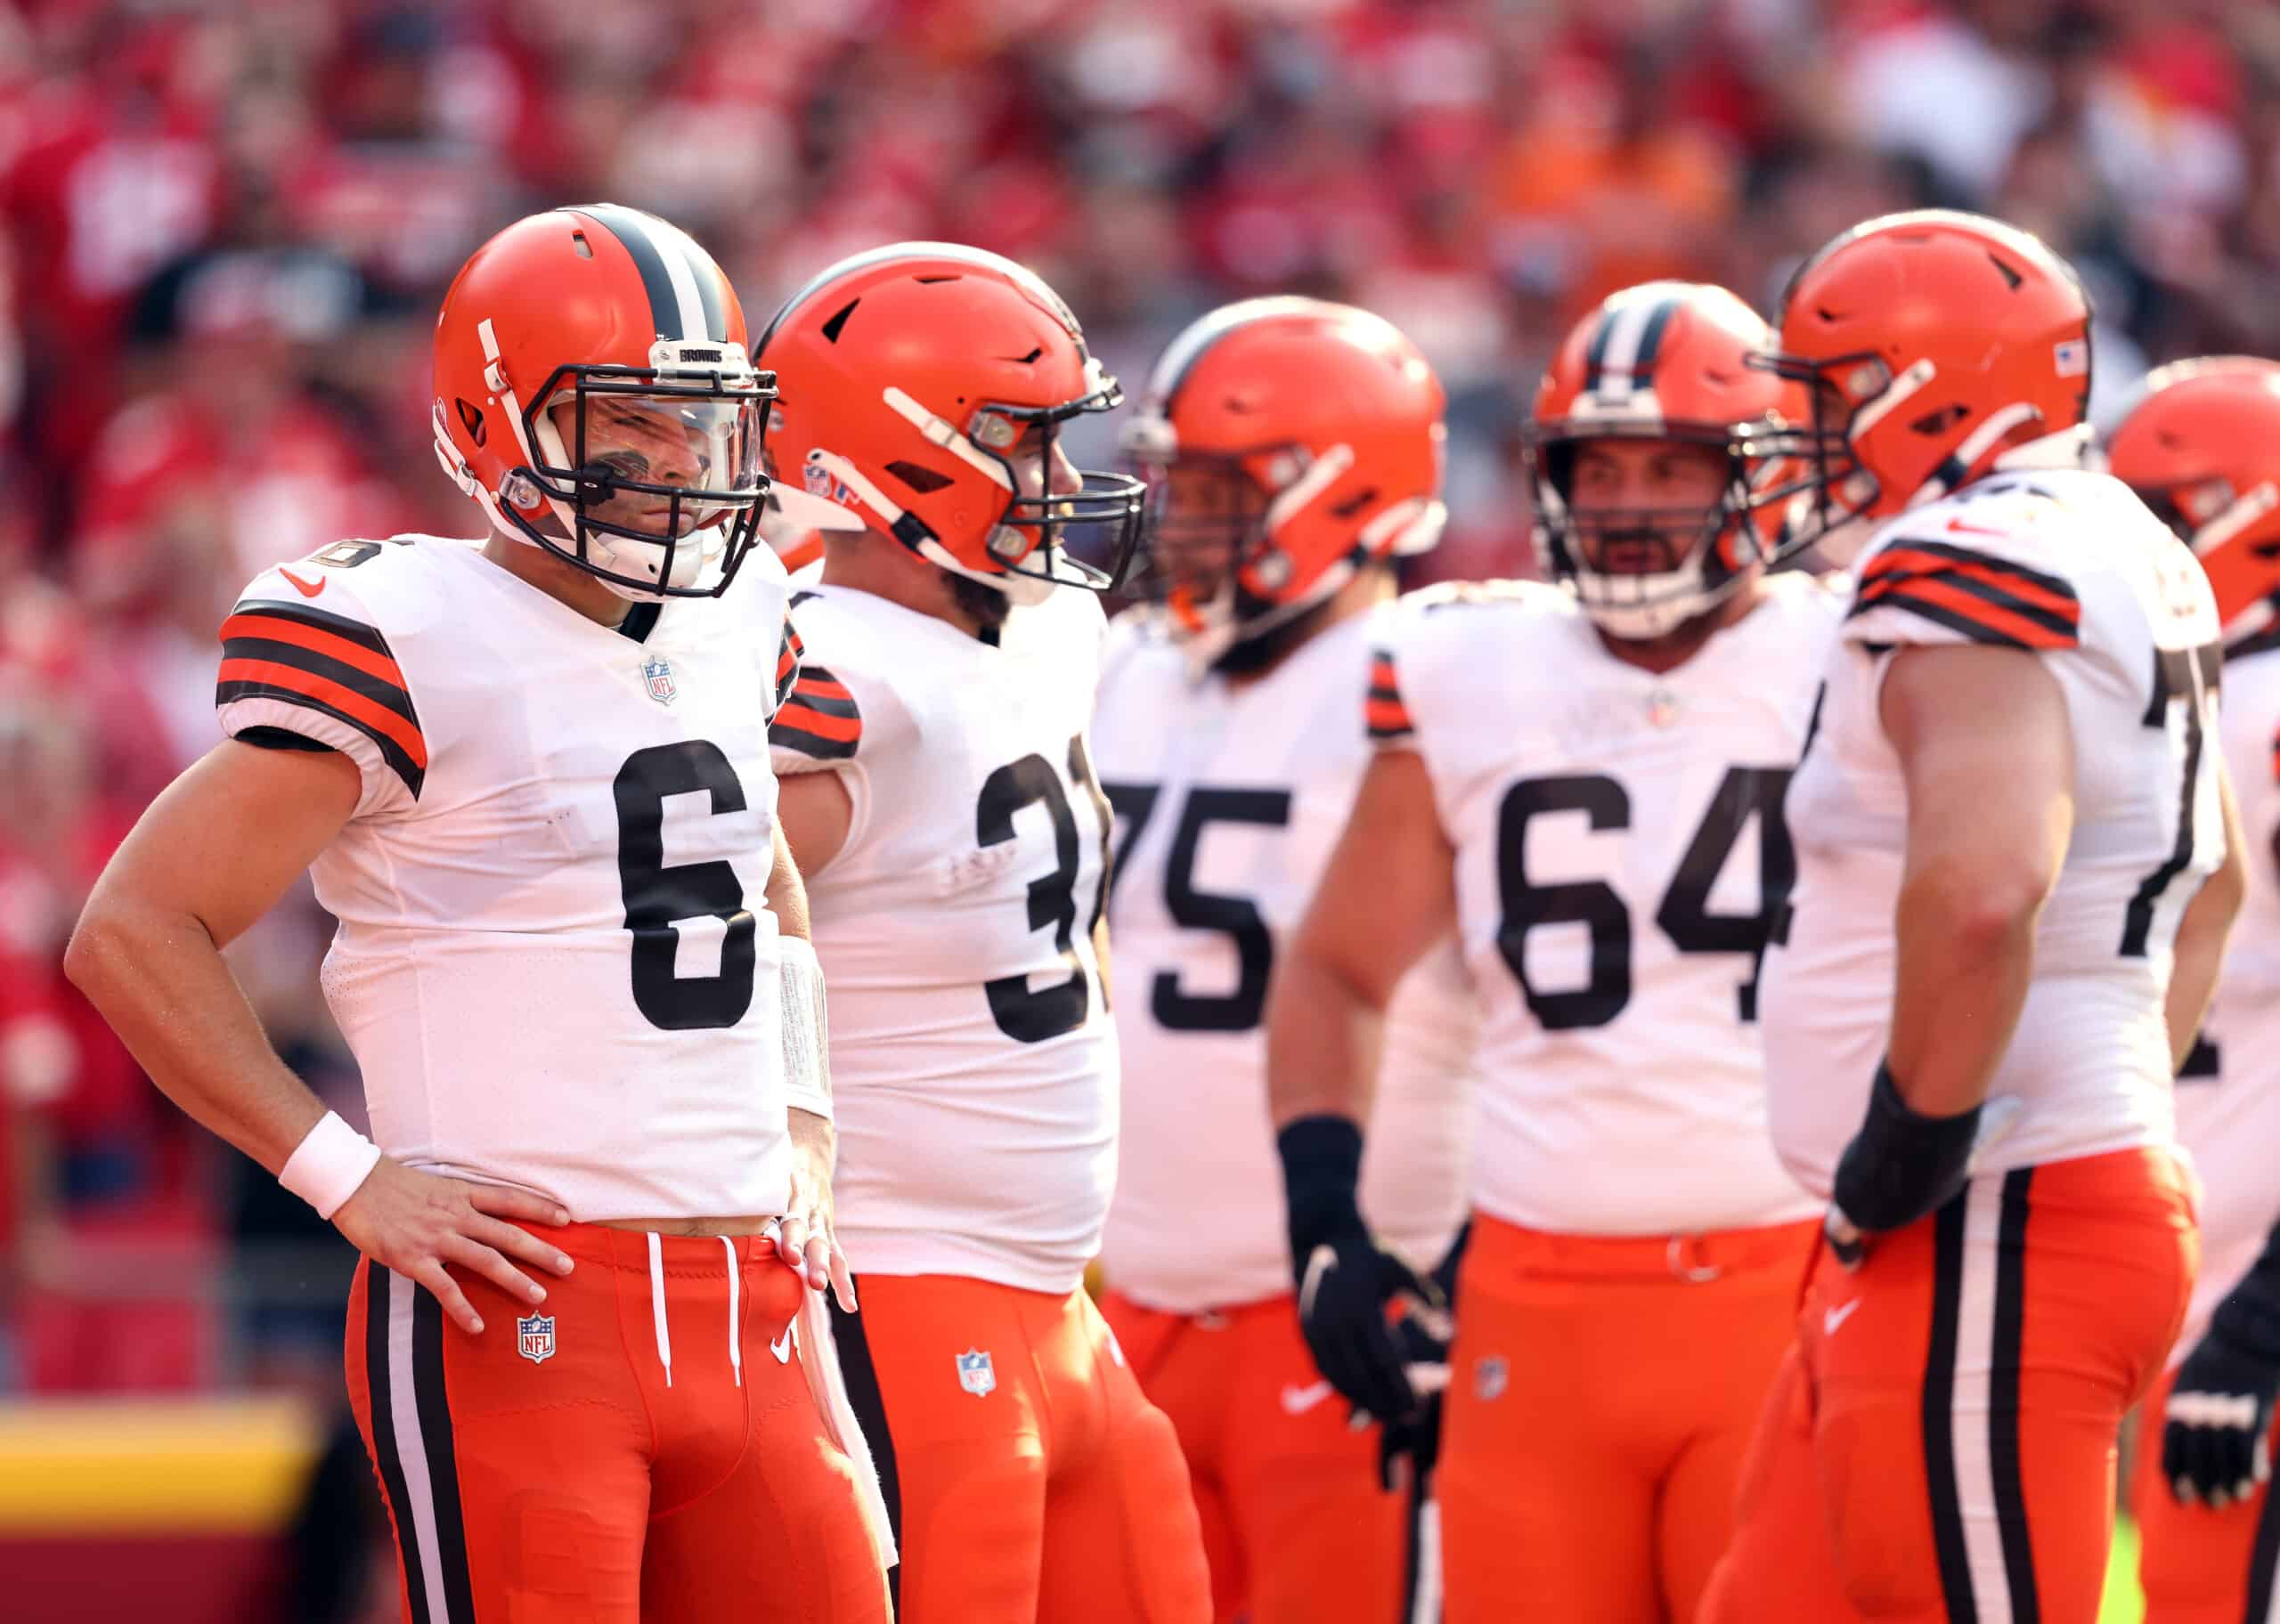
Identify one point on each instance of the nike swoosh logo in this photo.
(782, 1347)
(1298, 1400)
(1831, 1317)
(303, 587)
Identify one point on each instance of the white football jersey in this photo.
(556, 964)
(2072, 565)
(1228, 800)
(1620, 856)
(2228, 1095)
(973, 1063)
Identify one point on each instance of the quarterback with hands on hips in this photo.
(1584, 779)
(2201, 447)
(938, 792)
(1293, 449)
(586, 1346)
(2017, 864)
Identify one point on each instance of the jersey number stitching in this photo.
(1684, 915)
(2184, 678)
(1026, 1014)
(1236, 918)
(656, 895)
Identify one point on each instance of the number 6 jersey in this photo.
(973, 1063)
(1620, 855)
(556, 964)
(2070, 565)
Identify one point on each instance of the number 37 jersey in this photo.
(1620, 854)
(2070, 565)
(973, 1062)
(556, 964)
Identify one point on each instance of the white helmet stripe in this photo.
(673, 248)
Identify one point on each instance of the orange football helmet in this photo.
(2201, 448)
(1294, 441)
(655, 470)
(1669, 361)
(911, 376)
(1936, 342)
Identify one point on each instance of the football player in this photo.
(1584, 779)
(2012, 859)
(938, 782)
(1294, 451)
(2203, 448)
(533, 788)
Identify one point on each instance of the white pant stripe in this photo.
(412, 1445)
(1975, 1370)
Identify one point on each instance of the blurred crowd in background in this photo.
(224, 227)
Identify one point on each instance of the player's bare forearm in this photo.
(210, 856)
(1386, 895)
(1983, 742)
(787, 893)
(2202, 934)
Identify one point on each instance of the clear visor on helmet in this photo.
(654, 466)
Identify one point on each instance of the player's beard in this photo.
(985, 606)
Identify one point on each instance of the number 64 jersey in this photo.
(2070, 565)
(1620, 856)
(556, 964)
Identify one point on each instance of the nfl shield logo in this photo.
(1490, 1377)
(976, 1375)
(659, 676)
(534, 1337)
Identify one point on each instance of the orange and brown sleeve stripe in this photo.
(1986, 598)
(787, 663)
(819, 718)
(1383, 713)
(329, 664)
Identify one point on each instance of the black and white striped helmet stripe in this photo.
(1627, 346)
(683, 281)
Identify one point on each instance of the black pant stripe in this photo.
(379, 1284)
(1939, 1415)
(870, 1406)
(2003, 1398)
(442, 1464)
(2264, 1558)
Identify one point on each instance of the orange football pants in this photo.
(641, 1448)
(1602, 1396)
(1027, 1477)
(1940, 1446)
(2201, 1566)
(1295, 1527)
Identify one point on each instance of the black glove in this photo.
(2216, 1428)
(1423, 1339)
(1900, 1166)
(1344, 1279)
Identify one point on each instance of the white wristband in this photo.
(806, 1036)
(326, 1168)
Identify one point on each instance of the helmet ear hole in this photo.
(471, 419)
(923, 480)
(1940, 422)
(1354, 504)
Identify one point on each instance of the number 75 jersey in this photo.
(2070, 566)
(1620, 856)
